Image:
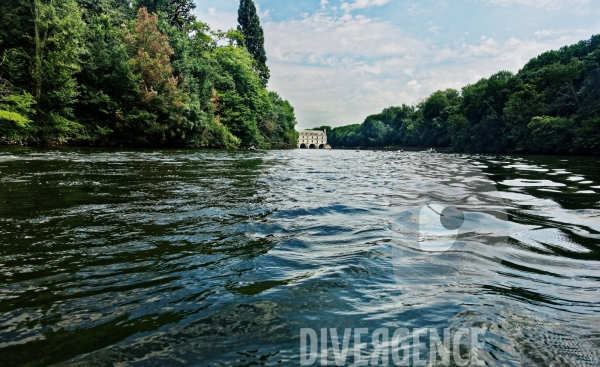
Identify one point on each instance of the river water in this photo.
(220, 258)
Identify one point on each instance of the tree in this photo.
(436, 109)
(483, 104)
(15, 109)
(551, 106)
(178, 12)
(278, 127)
(373, 133)
(345, 136)
(194, 59)
(460, 133)
(521, 107)
(92, 72)
(587, 136)
(107, 83)
(53, 59)
(161, 100)
(41, 44)
(118, 10)
(550, 134)
(242, 100)
(249, 25)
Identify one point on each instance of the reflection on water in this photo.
(213, 258)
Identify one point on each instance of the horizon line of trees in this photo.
(135, 73)
(550, 106)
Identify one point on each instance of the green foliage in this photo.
(41, 56)
(160, 94)
(57, 46)
(587, 135)
(107, 83)
(119, 10)
(249, 25)
(460, 132)
(18, 119)
(242, 100)
(15, 107)
(373, 133)
(345, 136)
(551, 106)
(15, 112)
(278, 127)
(177, 12)
(550, 134)
(100, 74)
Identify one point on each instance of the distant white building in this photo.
(312, 139)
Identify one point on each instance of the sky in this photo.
(338, 61)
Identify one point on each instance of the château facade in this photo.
(312, 139)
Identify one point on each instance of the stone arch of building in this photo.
(312, 139)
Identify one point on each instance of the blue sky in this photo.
(340, 61)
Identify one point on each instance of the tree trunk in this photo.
(37, 73)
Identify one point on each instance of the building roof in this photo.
(312, 132)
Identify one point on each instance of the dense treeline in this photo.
(552, 105)
(135, 73)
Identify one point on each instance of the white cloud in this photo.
(361, 4)
(226, 20)
(262, 15)
(563, 33)
(545, 4)
(415, 9)
(337, 68)
(433, 28)
(545, 33)
(216, 19)
(325, 39)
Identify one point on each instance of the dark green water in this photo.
(214, 258)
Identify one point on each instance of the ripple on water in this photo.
(552, 237)
(531, 183)
(220, 257)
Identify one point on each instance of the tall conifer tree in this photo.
(249, 25)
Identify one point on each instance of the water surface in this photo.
(218, 258)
